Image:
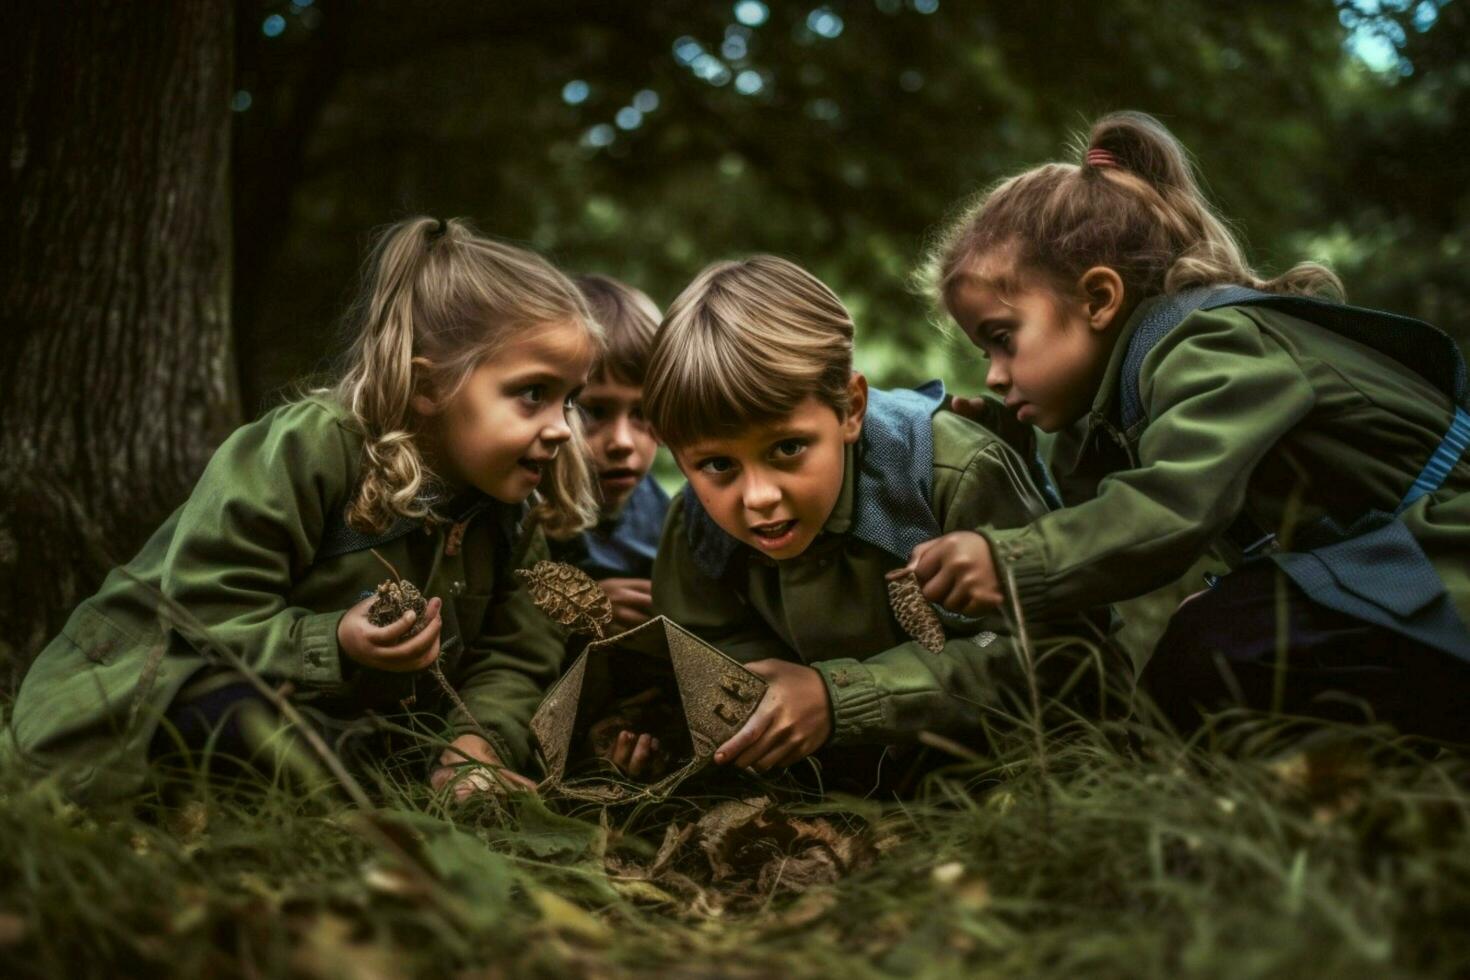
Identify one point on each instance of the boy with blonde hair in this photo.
(806, 490)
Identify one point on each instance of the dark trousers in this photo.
(1220, 651)
(228, 723)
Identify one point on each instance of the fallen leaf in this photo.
(561, 916)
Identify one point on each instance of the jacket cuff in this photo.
(321, 659)
(1018, 553)
(462, 725)
(857, 702)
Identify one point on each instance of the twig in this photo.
(1028, 661)
(387, 564)
(365, 828)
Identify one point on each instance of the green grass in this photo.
(1265, 849)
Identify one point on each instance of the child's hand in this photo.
(633, 753)
(390, 647)
(457, 765)
(957, 571)
(616, 737)
(978, 409)
(632, 600)
(793, 720)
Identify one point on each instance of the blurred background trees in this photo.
(644, 140)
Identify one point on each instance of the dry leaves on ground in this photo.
(742, 853)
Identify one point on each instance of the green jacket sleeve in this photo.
(709, 609)
(250, 528)
(893, 695)
(1218, 393)
(508, 667)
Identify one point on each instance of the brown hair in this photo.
(629, 319)
(438, 291)
(745, 343)
(1132, 204)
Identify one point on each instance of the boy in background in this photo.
(618, 552)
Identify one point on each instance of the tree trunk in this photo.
(116, 374)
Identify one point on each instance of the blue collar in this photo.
(894, 482)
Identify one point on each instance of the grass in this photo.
(1262, 849)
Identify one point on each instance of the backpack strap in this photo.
(1419, 346)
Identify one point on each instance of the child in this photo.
(1315, 449)
(619, 551)
(451, 415)
(806, 488)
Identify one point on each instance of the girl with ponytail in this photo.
(447, 450)
(1210, 415)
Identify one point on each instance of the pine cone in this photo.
(914, 613)
(567, 595)
(394, 599)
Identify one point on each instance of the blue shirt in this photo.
(621, 546)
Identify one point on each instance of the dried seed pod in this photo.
(394, 599)
(914, 613)
(567, 595)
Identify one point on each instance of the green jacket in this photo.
(239, 556)
(829, 606)
(1248, 411)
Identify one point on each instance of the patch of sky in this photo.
(752, 13)
(1376, 38)
(628, 118)
(575, 92)
(686, 49)
(824, 22)
(599, 136)
(749, 82)
(926, 6)
(711, 69)
(273, 26)
(241, 101)
(645, 100)
(735, 48)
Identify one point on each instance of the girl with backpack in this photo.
(1317, 450)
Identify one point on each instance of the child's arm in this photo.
(506, 670)
(250, 528)
(1219, 395)
(893, 695)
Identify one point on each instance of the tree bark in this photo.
(116, 373)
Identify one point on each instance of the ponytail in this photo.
(437, 299)
(1133, 203)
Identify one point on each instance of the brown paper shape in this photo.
(711, 693)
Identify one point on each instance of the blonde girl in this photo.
(446, 449)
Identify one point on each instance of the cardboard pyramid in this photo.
(656, 677)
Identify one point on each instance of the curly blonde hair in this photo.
(436, 300)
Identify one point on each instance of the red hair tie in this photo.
(1100, 158)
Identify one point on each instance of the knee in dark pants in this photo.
(1189, 674)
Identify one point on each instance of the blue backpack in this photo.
(1373, 569)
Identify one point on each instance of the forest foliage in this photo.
(645, 140)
